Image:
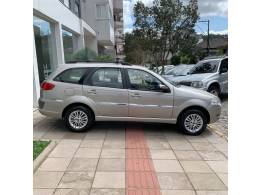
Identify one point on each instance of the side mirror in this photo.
(164, 88)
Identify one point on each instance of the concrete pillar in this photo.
(59, 43)
(36, 81)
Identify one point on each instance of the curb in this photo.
(214, 130)
(39, 160)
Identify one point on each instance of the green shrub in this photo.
(84, 54)
(104, 58)
(185, 60)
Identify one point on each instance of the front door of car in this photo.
(146, 99)
(223, 75)
(106, 89)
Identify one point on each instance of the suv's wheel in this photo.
(78, 118)
(213, 89)
(192, 122)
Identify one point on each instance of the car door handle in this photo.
(93, 91)
(136, 95)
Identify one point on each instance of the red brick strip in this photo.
(141, 178)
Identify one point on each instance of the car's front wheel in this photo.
(78, 118)
(192, 122)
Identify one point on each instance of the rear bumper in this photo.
(50, 108)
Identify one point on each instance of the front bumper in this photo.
(214, 112)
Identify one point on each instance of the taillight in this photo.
(47, 86)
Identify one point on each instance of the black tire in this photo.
(214, 89)
(86, 111)
(185, 114)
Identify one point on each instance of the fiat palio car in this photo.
(81, 93)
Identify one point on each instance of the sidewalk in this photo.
(130, 158)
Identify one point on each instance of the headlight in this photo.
(215, 102)
(197, 84)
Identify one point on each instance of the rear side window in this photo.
(73, 75)
(107, 77)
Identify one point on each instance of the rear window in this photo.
(73, 75)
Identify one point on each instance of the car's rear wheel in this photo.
(213, 89)
(78, 118)
(192, 122)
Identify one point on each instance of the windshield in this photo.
(205, 67)
(180, 70)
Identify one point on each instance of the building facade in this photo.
(119, 28)
(63, 27)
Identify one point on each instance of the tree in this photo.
(162, 26)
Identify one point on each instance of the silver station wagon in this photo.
(83, 92)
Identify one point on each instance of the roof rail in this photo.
(117, 61)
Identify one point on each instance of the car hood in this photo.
(191, 77)
(193, 92)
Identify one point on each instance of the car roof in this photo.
(97, 64)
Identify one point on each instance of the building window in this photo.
(43, 37)
(102, 11)
(77, 8)
(67, 3)
(68, 45)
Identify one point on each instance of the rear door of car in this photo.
(105, 86)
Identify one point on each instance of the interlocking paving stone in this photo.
(178, 192)
(223, 177)
(55, 164)
(46, 179)
(173, 181)
(187, 155)
(92, 143)
(107, 191)
(43, 191)
(71, 192)
(212, 193)
(167, 166)
(138, 153)
(80, 180)
(113, 153)
(162, 154)
(218, 166)
(141, 180)
(206, 181)
(109, 180)
(195, 167)
(111, 165)
(83, 164)
(212, 155)
(125, 161)
(88, 153)
(140, 175)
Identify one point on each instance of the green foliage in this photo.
(38, 147)
(84, 54)
(160, 29)
(185, 60)
(104, 58)
(175, 60)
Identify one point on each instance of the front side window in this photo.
(71, 76)
(205, 67)
(142, 80)
(107, 77)
(224, 66)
